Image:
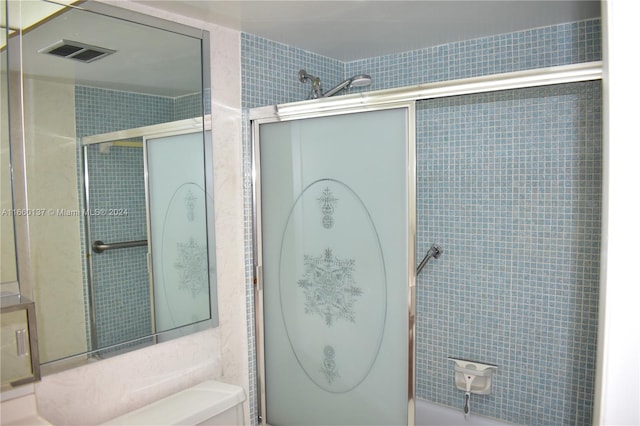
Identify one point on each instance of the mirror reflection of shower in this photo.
(360, 80)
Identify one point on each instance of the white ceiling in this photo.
(350, 30)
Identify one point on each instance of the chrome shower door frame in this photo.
(326, 108)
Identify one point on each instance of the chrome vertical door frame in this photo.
(272, 114)
(93, 326)
(257, 268)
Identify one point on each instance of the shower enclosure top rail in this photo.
(586, 71)
(196, 123)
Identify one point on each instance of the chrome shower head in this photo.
(360, 80)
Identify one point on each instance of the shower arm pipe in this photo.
(573, 73)
(316, 84)
(344, 85)
(434, 252)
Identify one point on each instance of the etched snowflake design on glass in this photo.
(327, 205)
(192, 267)
(329, 364)
(329, 287)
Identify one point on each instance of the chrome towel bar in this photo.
(99, 246)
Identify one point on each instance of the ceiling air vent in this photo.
(75, 50)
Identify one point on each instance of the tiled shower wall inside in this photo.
(509, 184)
(116, 181)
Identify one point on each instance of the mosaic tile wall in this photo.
(187, 106)
(270, 72)
(120, 277)
(556, 45)
(102, 110)
(509, 185)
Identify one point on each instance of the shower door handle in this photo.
(257, 280)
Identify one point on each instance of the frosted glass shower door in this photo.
(178, 229)
(334, 225)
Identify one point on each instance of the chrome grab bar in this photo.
(435, 251)
(99, 246)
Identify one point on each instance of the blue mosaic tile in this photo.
(270, 72)
(103, 110)
(537, 48)
(509, 184)
(187, 106)
(120, 278)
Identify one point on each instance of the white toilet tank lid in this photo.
(190, 406)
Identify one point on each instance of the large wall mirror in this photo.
(114, 226)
